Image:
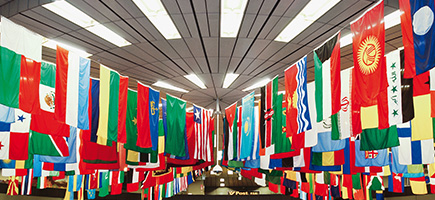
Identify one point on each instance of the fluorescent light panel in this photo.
(52, 45)
(231, 17)
(156, 13)
(310, 13)
(257, 85)
(76, 16)
(390, 20)
(195, 79)
(169, 86)
(222, 184)
(229, 79)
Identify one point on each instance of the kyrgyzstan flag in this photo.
(72, 89)
(417, 19)
(327, 78)
(368, 54)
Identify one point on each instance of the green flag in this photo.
(176, 123)
(131, 124)
(281, 142)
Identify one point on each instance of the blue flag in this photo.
(418, 36)
(7, 114)
(378, 158)
(326, 144)
(154, 117)
(95, 96)
(248, 126)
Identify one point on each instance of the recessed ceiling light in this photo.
(76, 16)
(157, 14)
(222, 180)
(169, 86)
(309, 14)
(52, 45)
(229, 79)
(231, 16)
(257, 85)
(390, 20)
(230, 172)
(222, 184)
(195, 79)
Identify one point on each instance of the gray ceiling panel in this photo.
(200, 50)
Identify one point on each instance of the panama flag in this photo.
(418, 36)
(14, 137)
(248, 126)
(72, 89)
(327, 78)
(298, 116)
(368, 54)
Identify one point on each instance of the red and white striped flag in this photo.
(202, 119)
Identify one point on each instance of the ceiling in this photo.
(253, 53)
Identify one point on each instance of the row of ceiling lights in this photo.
(232, 12)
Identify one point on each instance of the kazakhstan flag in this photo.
(248, 126)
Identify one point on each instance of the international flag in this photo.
(309, 137)
(396, 183)
(109, 101)
(327, 78)
(131, 123)
(280, 141)
(416, 30)
(117, 178)
(343, 120)
(418, 185)
(21, 54)
(122, 109)
(368, 47)
(14, 137)
(376, 139)
(377, 158)
(71, 142)
(13, 186)
(298, 116)
(154, 99)
(191, 139)
(105, 182)
(201, 118)
(230, 113)
(176, 123)
(326, 144)
(330, 158)
(414, 152)
(268, 100)
(248, 126)
(394, 96)
(26, 183)
(72, 86)
(143, 116)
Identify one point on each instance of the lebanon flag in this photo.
(418, 36)
(298, 116)
(368, 47)
(327, 78)
(72, 86)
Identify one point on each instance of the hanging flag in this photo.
(104, 181)
(176, 122)
(414, 152)
(202, 126)
(394, 64)
(342, 123)
(26, 183)
(154, 97)
(131, 123)
(46, 146)
(309, 138)
(418, 185)
(416, 26)
(49, 145)
(230, 113)
(377, 158)
(330, 158)
(325, 143)
(122, 109)
(117, 178)
(14, 137)
(109, 101)
(190, 134)
(26, 47)
(281, 143)
(368, 47)
(72, 86)
(376, 139)
(19, 82)
(396, 183)
(143, 116)
(327, 78)
(13, 186)
(298, 119)
(248, 126)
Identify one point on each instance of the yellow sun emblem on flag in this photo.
(369, 55)
(292, 100)
(247, 126)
